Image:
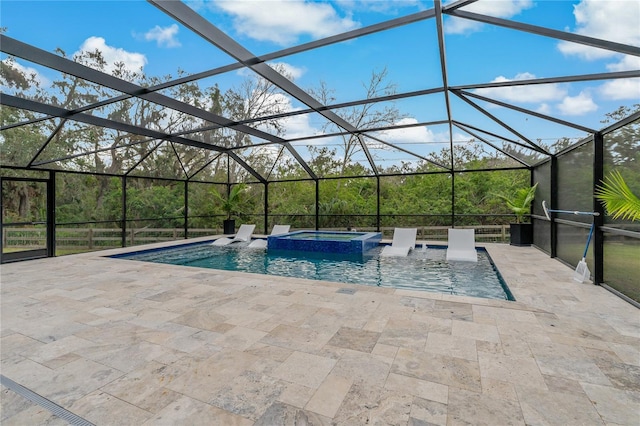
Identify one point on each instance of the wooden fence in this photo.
(87, 239)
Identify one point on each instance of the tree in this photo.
(255, 97)
(231, 203)
(365, 116)
(623, 144)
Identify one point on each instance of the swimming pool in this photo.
(424, 270)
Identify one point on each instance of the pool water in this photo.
(422, 270)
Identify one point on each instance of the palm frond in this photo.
(520, 203)
(230, 203)
(617, 198)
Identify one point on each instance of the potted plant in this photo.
(521, 233)
(617, 198)
(230, 206)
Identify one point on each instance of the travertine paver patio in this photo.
(119, 342)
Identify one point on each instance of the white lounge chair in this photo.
(276, 230)
(244, 234)
(404, 239)
(462, 245)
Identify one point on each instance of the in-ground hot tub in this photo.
(325, 241)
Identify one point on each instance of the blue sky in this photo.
(137, 33)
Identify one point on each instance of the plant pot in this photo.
(521, 234)
(229, 226)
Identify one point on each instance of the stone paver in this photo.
(121, 342)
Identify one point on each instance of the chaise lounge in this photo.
(462, 245)
(404, 239)
(243, 235)
(276, 230)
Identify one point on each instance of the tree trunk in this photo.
(24, 201)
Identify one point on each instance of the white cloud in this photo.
(295, 126)
(523, 94)
(298, 126)
(498, 9)
(418, 134)
(544, 108)
(390, 7)
(627, 63)
(577, 105)
(594, 19)
(164, 37)
(621, 89)
(282, 21)
(419, 140)
(288, 70)
(609, 20)
(459, 137)
(112, 55)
